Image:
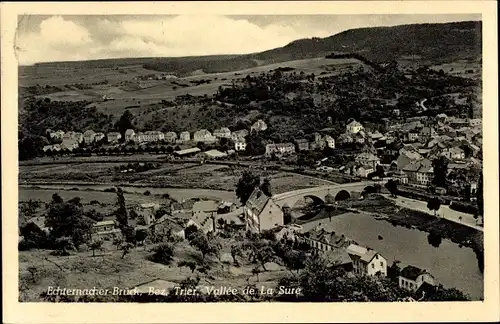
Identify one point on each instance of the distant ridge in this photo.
(426, 42)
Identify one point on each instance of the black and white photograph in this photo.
(179, 158)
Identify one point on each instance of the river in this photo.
(451, 265)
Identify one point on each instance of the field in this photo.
(126, 92)
(187, 175)
(107, 269)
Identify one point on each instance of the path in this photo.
(444, 211)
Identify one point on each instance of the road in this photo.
(444, 211)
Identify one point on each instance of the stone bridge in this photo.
(350, 189)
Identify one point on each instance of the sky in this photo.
(87, 37)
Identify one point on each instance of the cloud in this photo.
(60, 38)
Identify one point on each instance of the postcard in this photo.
(250, 162)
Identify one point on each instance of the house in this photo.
(171, 137)
(322, 240)
(99, 136)
(153, 136)
(74, 136)
(363, 171)
(258, 126)
(204, 221)
(105, 229)
(226, 207)
(280, 149)
(329, 141)
(47, 148)
(39, 221)
(475, 122)
(261, 212)
(454, 153)
(412, 278)
(366, 261)
(400, 177)
(236, 135)
(290, 232)
(406, 157)
(89, 136)
(353, 127)
(427, 133)
(203, 135)
(425, 175)
(184, 137)
(187, 152)
(138, 137)
(222, 132)
(368, 159)
(345, 139)
(240, 144)
(129, 135)
(57, 135)
(442, 118)
(376, 136)
(411, 136)
(148, 211)
(396, 112)
(302, 144)
(113, 137)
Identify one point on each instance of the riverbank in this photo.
(438, 228)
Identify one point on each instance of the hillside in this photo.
(436, 43)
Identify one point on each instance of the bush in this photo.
(147, 193)
(464, 207)
(163, 254)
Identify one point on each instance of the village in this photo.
(406, 151)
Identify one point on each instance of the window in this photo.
(381, 263)
(373, 266)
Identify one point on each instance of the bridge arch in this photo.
(342, 195)
(369, 190)
(317, 200)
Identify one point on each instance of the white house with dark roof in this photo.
(222, 132)
(412, 278)
(366, 261)
(89, 136)
(129, 135)
(113, 137)
(171, 137)
(259, 126)
(261, 212)
(184, 136)
(354, 127)
(203, 135)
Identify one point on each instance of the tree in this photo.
(33, 271)
(246, 185)
(434, 204)
(117, 241)
(121, 211)
(392, 186)
(295, 260)
(95, 245)
(66, 220)
(266, 187)
(206, 245)
(440, 166)
(189, 264)
(163, 253)
(125, 247)
(393, 271)
(236, 251)
(124, 123)
(141, 235)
